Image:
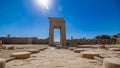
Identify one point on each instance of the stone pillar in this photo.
(60, 36)
(51, 34)
(63, 35)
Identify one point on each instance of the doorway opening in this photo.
(56, 36)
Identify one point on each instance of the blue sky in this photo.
(84, 18)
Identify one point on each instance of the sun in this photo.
(43, 3)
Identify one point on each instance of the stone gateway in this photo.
(58, 23)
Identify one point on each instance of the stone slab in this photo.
(89, 55)
(111, 63)
(78, 50)
(34, 51)
(21, 55)
(114, 49)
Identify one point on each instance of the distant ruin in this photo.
(35, 40)
(23, 40)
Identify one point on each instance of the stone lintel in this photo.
(56, 19)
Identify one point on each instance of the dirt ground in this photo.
(58, 57)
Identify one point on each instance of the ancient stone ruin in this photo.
(58, 23)
(73, 53)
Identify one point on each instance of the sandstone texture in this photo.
(114, 49)
(33, 51)
(3, 47)
(111, 63)
(102, 47)
(89, 55)
(21, 55)
(72, 48)
(78, 50)
(2, 63)
(10, 48)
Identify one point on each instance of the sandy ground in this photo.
(19, 48)
(53, 58)
(60, 58)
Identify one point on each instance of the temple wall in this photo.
(22, 40)
(89, 41)
(40, 41)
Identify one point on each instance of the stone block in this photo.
(32, 51)
(111, 63)
(3, 47)
(41, 49)
(10, 48)
(72, 48)
(102, 47)
(45, 48)
(21, 55)
(78, 50)
(89, 55)
(114, 49)
(2, 63)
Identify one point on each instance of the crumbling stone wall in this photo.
(22, 40)
(16, 40)
(40, 41)
(89, 41)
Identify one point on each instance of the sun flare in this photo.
(43, 3)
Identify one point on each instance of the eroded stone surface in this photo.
(10, 48)
(78, 50)
(72, 48)
(42, 49)
(102, 47)
(3, 47)
(114, 49)
(111, 63)
(53, 58)
(2, 63)
(21, 55)
(89, 55)
(33, 50)
(60, 58)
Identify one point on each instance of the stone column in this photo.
(63, 34)
(60, 36)
(51, 34)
